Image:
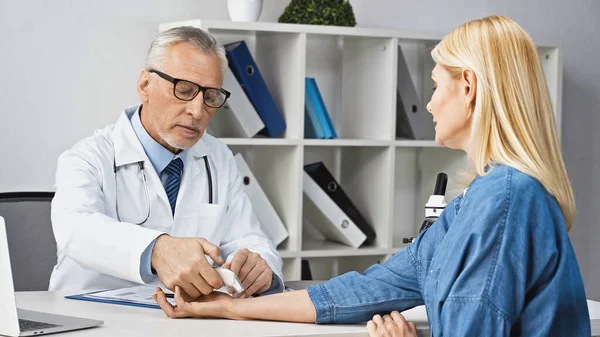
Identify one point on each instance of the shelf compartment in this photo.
(291, 269)
(277, 170)
(353, 76)
(415, 176)
(353, 168)
(280, 58)
(325, 268)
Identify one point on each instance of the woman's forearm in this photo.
(293, 306)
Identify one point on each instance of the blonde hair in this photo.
(513, 120)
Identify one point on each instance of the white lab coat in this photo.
(96, 251)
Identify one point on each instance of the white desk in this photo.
(122, 320)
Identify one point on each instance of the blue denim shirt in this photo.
(498, 262)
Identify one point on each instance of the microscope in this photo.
(434, 206)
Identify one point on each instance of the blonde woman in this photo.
(498, 261)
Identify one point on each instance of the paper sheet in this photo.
(139, 294)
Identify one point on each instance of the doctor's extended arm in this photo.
(82, 229)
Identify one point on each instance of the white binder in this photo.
(270, 222)
(323, 212)
(237, 118)
(413, 121)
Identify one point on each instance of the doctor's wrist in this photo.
(156, 256)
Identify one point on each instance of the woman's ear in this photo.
(470, 81)
(143, 86)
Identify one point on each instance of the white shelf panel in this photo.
(260, 141)
(287, 254)
(346, 142)
(333, 249)
(328, 142)
(276, 27)
(296, 28)
(416, 143)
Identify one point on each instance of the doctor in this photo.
(153, 195)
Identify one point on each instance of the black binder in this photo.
(321, 175)
(305, 273)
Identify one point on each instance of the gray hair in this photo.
(192, 35)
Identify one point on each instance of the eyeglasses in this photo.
(187, 91)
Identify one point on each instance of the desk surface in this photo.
(122, 320)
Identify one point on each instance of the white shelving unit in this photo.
(388, 179)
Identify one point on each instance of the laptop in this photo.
(19, 322)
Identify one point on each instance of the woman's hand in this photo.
(392, 325)
(215, 305)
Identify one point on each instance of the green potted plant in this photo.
(319, 12)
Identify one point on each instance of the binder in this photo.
(305, 273)
(312, 128)
(270, 222)
(246, 72)
(237, 118)
(413, 121)
(321, 175)
(312, 125)
(332, 221)
(315, 105)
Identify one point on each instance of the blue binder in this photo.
(246, 72)
(314, 99)
(312, 126)
(311, 130)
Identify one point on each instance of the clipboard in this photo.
(83, 297)
(144, 303)
(141, 295)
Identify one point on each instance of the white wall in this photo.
(69, 67)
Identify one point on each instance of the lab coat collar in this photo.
(128, 148)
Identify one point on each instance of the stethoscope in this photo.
(141, 170)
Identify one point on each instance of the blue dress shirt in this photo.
(160, 157)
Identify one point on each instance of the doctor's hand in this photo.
(252, 270)
(182, 262)
(392, 325)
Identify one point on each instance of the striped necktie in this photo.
(174, 169)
